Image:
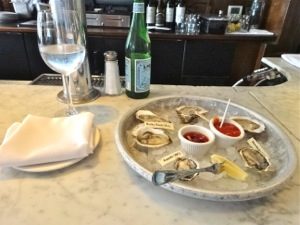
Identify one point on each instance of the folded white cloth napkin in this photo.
(38, 140)
(293, 59)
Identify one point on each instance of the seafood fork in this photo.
(161, 177)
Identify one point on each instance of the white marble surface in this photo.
(102, 189)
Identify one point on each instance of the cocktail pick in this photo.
(225, 112)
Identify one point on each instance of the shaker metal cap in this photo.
(110, 55)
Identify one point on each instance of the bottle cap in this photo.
(110, 55)
(220, 13)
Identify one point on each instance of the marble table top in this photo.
(102, 189)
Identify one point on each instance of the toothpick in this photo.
(225, 112)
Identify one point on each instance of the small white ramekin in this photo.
(223, 140)
(196, 149)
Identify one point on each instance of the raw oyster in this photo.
(249, 124)
(188, 113)
(136, 129)
(254, 159)
(151, 137)
(148, 116)
(186, 164)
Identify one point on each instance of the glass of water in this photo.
(62, 45)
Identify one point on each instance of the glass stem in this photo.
(71, 110)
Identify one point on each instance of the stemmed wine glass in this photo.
(62, 45)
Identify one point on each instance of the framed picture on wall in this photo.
(234, 10)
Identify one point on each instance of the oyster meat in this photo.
(186, 164)
(249, 124)
(188, 113)
(151, 137)
(254, 159)
(148, 116)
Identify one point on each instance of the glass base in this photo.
(66, 112)
(93, 94)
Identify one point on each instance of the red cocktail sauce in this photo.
(195, 137)
(227, 128)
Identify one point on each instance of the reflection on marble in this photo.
(102, 189)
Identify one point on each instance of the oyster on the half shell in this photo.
(151, 137)
(254, 159)
(249, 124)
(186, 164)
(188, 113)
(148, 116)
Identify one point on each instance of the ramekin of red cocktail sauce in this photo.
(227, 135)
(196, 140)
(195, 136)
(226, 128)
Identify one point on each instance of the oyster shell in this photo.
(249, 124)
(186, 164)
(136, 129)
(188, 113)
(151, 137)
(254, 159)
(148, 116)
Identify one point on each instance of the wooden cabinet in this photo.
(280, 17)
(35, 61)
(167, 61)
(13, 56)
(207, 62)
(203, 59)
(166, 57)
(97, 45)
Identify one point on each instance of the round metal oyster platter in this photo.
(275, 142)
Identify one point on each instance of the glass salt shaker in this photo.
(112, 83)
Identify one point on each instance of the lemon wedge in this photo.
(231, 169)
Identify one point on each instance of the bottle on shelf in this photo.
(180, 13)
(160, 17)
(138, 55)
(256, 13)
(170, 14)
(150, 13)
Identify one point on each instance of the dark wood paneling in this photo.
(166, 61)
(280, 17)
(166, 57)
(213, 6)
(6, 5)
(276, 13)
(199, 6)
(36, 63)
(283, 19)
(208, 62)
(13, 58)
(98, 45)
(247, 57)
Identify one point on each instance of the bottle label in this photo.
(150, 15)
(180, 11)
(170, 15)
(141, 76)
(128, 74)
(138, 7)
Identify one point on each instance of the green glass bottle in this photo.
(138, 55)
